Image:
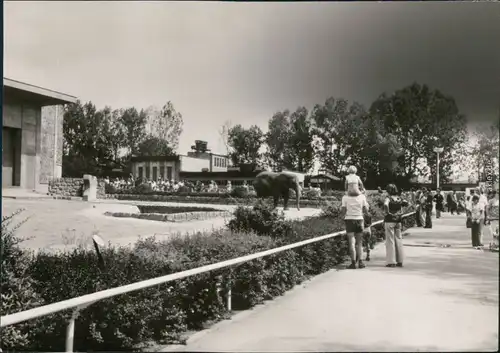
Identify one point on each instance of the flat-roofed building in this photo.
(32, 135)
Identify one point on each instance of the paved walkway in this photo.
(444, 299)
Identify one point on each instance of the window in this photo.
(140, 172)
(148, 171)
(169, 173)
(162, 172)
(155, 173)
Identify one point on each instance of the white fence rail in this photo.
(80, 303)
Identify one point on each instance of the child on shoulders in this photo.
(353, 183)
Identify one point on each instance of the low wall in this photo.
(73, 187)
(177, 217)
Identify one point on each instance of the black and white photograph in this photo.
(250, 176)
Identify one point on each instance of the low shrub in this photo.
(262, 219)
(162, 313)
(240, 192)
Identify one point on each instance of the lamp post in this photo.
(438, 150)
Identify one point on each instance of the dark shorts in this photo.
(354, 225)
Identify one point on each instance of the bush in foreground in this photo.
(162, 313)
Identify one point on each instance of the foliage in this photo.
(289, 141)
(245, 144)
(154, 146)
(262, 219)
(17, 291)
(240, 192)
(482, 155)
(422, 119)
(163, 312)
(166, 124)
(134, 123)
(91, 139)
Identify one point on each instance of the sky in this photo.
(242, 62)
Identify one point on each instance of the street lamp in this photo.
(438, 150)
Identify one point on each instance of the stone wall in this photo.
(50, 117)
(73, 187)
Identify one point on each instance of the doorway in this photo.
(11, 157)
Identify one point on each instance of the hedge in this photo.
(225, 199)
(162, 313)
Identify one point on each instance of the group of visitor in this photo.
(121, 183)
(356, 213)
(482, 213)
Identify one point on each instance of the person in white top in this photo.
(353, 183)
(353, 210)
(483, 201)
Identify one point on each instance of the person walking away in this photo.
(418, 219)
(353, 183)
(439, 199)
(353, 210)
(493, 211)
(428, 209)
(477, 217)
(393, 208)
(423, 201)
(449, 202)
(453, 203)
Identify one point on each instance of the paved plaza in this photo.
(444, 299)
(63, 224)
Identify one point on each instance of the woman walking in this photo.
(393, 207)
(353, 210)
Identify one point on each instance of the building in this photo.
(32, 138)
(173, 167)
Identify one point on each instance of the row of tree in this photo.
(100, 141)
(392, 140)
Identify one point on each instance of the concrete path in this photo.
(444, 299)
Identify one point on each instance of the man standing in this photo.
(353, 210)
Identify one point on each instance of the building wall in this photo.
(37, 135)
(219, 163)
(51, 143)
(192, 164)
(161, 168)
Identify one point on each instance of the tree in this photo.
(154, 146)
(482, 154)
(421, 119)
(224, 135)
(277, 139)
(88, 140)
(290, 141)
(340, 131)
(245, 144)
(165, 123)
(134, 124)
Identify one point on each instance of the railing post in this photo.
(70, 329)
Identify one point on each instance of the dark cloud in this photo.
(244, 61)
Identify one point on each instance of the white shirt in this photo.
(483, 200)
(353, 179)
(354, 206)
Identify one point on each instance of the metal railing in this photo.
(80, 303)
